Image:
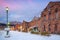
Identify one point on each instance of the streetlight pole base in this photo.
(7, 36)
(7, 32)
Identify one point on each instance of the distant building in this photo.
(2, 26)
(16, 25)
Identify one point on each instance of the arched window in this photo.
(35, 29)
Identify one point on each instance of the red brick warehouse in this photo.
(50, 18)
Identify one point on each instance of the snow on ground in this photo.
(15, 35)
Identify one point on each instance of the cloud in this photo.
(14, 16)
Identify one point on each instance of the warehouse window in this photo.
(44, 17)
(49, 15)
(49, 27)
(56, 10)
(44, 28)
(56, 13)
(55, 27)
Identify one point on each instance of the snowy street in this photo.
(15, 35)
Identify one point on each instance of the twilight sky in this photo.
(20, 10)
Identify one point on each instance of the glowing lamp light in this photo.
(7, 8)
(8, 23)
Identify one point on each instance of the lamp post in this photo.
(7, 15)
(7, 29)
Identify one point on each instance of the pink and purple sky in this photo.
(20, 10)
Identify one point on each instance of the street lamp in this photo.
(7, 15)
(7, 29)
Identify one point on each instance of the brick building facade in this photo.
(50, 18)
